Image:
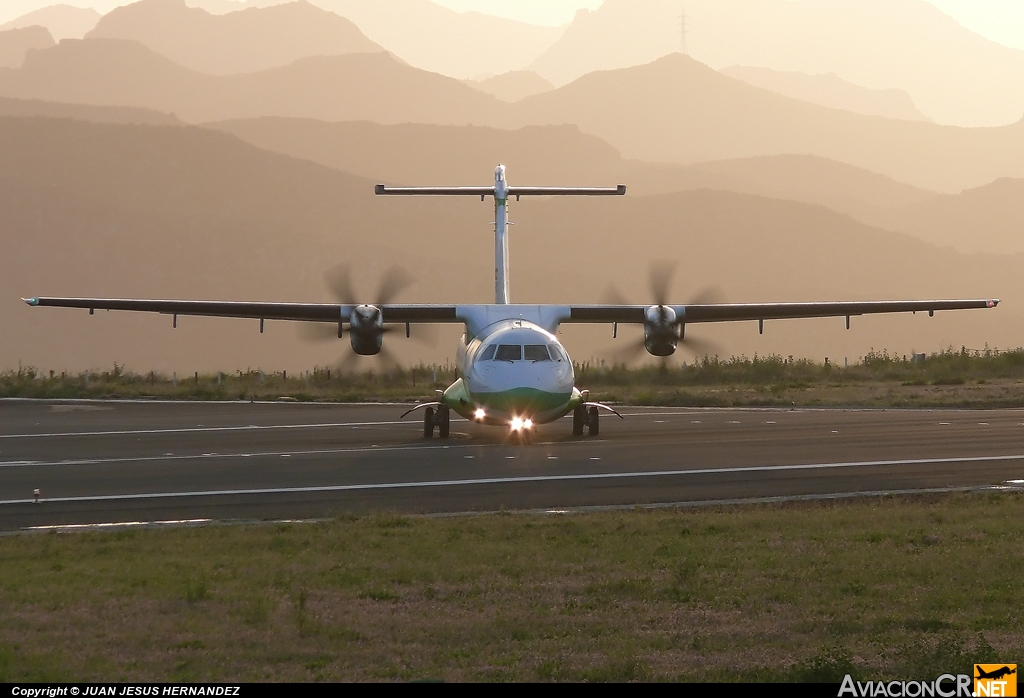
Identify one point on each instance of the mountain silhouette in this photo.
(675, 110)
(85, 112)
(245, 41)
(679, 110)
(513, 86)
(164, 211)
(830, 91)
(372, 86)
(547, 155)
(15, 43)
(62, 21)
(952, 74)
(436, 38)
(983, 219)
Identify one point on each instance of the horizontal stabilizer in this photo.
(620, 190)
(434, 191)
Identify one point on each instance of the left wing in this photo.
(724, 312)
(307, 312)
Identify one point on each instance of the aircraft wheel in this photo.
(443, 421)
(595, 425)
(578, 420)
(428, 422)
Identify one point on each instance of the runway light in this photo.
(479, 414)
(517, 424)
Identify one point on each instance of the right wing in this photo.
(307, 312)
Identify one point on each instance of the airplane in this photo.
(512, 370)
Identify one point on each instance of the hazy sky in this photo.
(999, 20)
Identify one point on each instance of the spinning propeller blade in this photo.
(660, 283)
(339, 281)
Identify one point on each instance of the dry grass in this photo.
(893, 587)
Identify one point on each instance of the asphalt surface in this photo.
(108, 462)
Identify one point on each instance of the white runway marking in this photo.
(515, 480)
(247, 427)
(198, 430)
(206, 456)
(273, 454)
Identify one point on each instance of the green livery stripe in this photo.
(522, 400)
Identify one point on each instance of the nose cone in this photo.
(527, 375)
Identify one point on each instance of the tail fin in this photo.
(501, 192)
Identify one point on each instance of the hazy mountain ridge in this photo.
(987, 219)
(512, 86)
(372, 86)
(673, 110)
(552, 155)
(62, 21)
(438, 39)
(952, 74)
(984, 219)
(85, 112)
(187, 212)
(15, 43)
(830, 91)
(679, 110)
(244, 41)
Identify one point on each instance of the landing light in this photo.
(520, 424)
(479, 415)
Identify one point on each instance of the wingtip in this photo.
(379, 189)
(993, 303)
(620, 190)
(31, 301)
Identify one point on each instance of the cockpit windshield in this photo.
(536, 352)
(509, 352)
(518, 352)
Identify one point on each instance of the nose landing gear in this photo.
(440, 419)
(582, 417)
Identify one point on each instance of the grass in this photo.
(882, 588)
(979, 379)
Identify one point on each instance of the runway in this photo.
(108, 462)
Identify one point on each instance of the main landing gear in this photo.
(440, 419)
(582, 417)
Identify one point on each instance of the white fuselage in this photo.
(513, 369)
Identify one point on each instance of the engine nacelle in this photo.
(366, 330)
(661, 331)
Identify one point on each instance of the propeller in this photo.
(339, 281)
(660, 283)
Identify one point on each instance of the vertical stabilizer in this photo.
(501, 191)
(501, 290)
